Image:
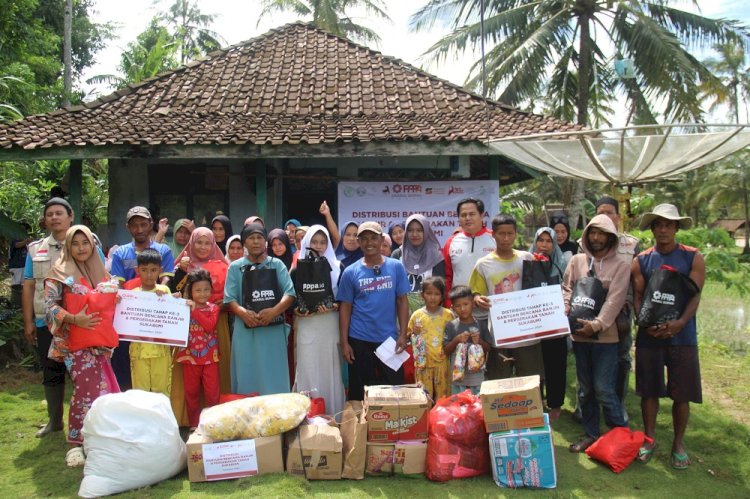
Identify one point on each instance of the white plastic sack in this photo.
(131, 440)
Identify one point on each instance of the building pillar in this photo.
(76, 188)
(261, 188)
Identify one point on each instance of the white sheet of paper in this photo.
(235, 459)
(386, 352)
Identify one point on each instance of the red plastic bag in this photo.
(104, 334)
(409, 371)
(457, 444)
(618, 447)
(229, 397)
(317, 407)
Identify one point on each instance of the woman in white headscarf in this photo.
(318, 359)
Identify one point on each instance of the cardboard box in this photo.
(319, 448)
(404, 458)
(512, 403)
(209, 461)
(524, 458)
(396, 413)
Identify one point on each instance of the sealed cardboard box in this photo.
(314, 451)
(524, 458)
(512, 403)
(396, 413)
(208, 460)
(406, 458)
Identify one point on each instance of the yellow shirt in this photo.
(433, 328)
(150, 350)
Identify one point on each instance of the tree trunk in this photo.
(67, 52)
(746, 249)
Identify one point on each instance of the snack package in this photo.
(475, 358)
(459, 362)
(110, 286)
(419, 348)
(263, 416)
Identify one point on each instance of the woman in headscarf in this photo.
(397, 232)
(554, 350)
(259, 345)
(560, 224)
(202, 252)
(318, 359)
(77, 272)
(290, 227)
(181, 235)
(279, 246)
(221, 226)
(421, 256)
(348, 250)
(254, 219)
(234, 249)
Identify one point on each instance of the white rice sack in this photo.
(131, 440)
(254, 417)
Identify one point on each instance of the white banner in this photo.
(230, 459)
(388, 202)
(528, 315)
(145, 317)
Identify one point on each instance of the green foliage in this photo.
(189, 30)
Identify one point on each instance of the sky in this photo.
(237, 20)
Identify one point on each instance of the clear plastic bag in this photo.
(459, 362)
(475, 358)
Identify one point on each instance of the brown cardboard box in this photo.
(512, 403)
(231, 458)
(396, 413)
(319, 446)
(405, 458)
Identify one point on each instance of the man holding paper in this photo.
(372, 294)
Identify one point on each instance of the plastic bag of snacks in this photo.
(420, 351)
(459, 362)
(457, 444)
(254, 417)
(475, 358)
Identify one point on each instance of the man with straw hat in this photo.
(673, 344)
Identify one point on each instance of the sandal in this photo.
(680, 460)
(583, 444)
(645, 453)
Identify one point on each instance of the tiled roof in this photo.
(293, 85)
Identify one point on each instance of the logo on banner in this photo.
(386, 190)
(455, 190)
(361, 191)
(348, 191)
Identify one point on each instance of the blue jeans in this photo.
(596, 369)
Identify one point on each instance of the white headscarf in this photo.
(236, 237)
(330, 254)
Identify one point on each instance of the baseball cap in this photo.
(371, 226)
(138, 211)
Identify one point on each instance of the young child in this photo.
(200, 360)
(465, 329)
(151, 364)
(429, 322)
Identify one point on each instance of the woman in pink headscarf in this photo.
(202, 252)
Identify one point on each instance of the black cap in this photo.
(58, 202)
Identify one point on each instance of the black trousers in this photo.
(555, 355)
(368, 370)
(53, 372)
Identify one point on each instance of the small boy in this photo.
(150, 364)
(501, 272)
(462, 330)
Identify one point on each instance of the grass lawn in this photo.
(718, 441)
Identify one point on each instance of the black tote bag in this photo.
(537, 273)
(666, 296)
(586, 300)
(260, 290)
(312, 282)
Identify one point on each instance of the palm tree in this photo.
(567, 47)
(331, 15)
(734, 78)
(190, 30)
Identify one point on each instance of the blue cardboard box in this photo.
(524, 458)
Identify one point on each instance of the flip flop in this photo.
(645, 453)
(680, 461)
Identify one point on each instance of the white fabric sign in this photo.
(528, 315)
(230, 459)
(145, 317)
(387, 202)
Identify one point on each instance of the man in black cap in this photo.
(42, 254)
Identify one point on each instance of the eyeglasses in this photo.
(376, 269)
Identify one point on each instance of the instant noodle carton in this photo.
(512, 403)
(524, 458)
(395, 413)
(404, 458)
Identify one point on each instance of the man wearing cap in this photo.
(42, 254)
(673, 344)
(139, 224)
(372, 294)
(627, 247)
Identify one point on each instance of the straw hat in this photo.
(668, 211)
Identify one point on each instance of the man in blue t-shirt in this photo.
(372, 295)
(140, 225)
(672, 344)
